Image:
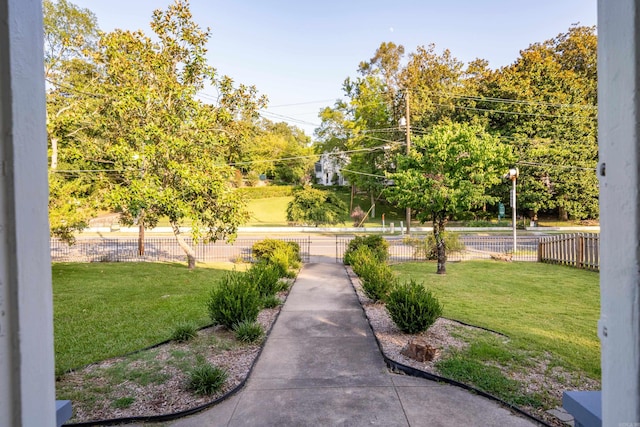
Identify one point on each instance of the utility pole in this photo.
(408, 136)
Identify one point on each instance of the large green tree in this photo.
(448, 172)
(70, 36)
(168, 144)
(140, 129)
(280, 151)
(544, 104)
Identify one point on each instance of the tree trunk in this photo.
(141, 237)
(438, 233)
(373, 205)
(353, 192)
(562, 214)
(54, 153)
(188, 250)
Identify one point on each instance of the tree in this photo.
(70, 35)
(168, 150)
(551, 120)
(280, 151)
(448, 172)
(317, 207)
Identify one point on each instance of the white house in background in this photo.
(330, 165)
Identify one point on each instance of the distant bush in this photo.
(266, 192)
(206, 379)
(413, 308)
(234, 300)
(285, 255)
(316, 207)
(426, 248)
(376, 243)
(248, 331)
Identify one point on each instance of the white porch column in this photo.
(619, 132)
(27, 393)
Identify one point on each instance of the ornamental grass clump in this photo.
(248, 331)
(184, 331)
(412, 307)
(234, 300)
(206, 379)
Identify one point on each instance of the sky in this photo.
(300, 52)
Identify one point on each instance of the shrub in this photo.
(271, 301)
(234, 300)
(277, 251)
(248, 331)
(317, 207)
(282, 259)
(377, 244)
(265, 277)
(184, 332)
(413, 308)
(377, 280)
(206, 379)
(426, 248)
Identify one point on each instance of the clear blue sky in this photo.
(298, 51)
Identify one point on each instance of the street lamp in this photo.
(513, 176)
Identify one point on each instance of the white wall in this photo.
(619, 130)
(27, 390)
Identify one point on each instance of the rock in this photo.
(420, 350)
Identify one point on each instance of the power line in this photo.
(548, 165)
(362, 173)
(287, 118)
(512, 101)
(301, 103)
(563, 116)
(93, 170)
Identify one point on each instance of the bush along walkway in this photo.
(321, 365)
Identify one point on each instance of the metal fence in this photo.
(580, 250)
(125, 249)
(475, 247)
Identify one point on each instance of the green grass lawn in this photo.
(272, 211)
(545, 309)
(268, 211)
(103, 310)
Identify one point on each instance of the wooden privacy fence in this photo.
(580, 250)
(125, 249)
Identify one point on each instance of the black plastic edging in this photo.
(175, 415)
(476, 327)
(414, 372)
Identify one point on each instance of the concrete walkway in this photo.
(321, 367)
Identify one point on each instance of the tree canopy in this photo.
(447, 172)
(140, 136)
(543, 105)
